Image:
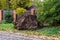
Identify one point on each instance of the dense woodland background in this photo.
(48, 11)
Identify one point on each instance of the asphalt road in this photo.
(6, 36)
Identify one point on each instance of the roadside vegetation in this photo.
(47, 31)
(48, 12)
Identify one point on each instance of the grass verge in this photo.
(48, 31)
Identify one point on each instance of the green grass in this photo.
(48, 31)
(5, 27)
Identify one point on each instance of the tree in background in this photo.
(48, 11)
(13, 4)
(4, 4)
(20, 3)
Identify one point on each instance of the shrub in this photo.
(49, 11)
(8, 18)
(20, 11)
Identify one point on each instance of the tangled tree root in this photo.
(28, 22)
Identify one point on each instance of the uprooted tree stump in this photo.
(28, 22)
